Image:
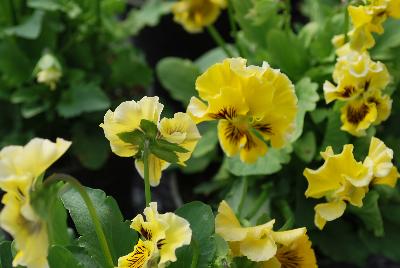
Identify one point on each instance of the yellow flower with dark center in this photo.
(194, 15)
(249, 102)
(20, 168)
(259, 243)
(162, 234)
(293, 253)
(340, 179)
(180, 130)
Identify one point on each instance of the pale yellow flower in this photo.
(246, 100)
(48, 71)
(194, 15)
(20, 167)
(162, 234)
(126, 118)
(340, 179)
(258, 243)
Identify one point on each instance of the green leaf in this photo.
(308, 97)
(61, 257)
(287, 52)
(370, 213)
(88, 136)
(198, 164)
(5, 254)
(148, 15)
(163, 154)
(85, 260)
(149, 128)
(71, 8)
(211, 57)
(178, 76)
(268, 164)
(306, 147)
(135, 137)
(208, 141)
(169, 146)
(201, 219)
(82, 98)
(121, 239)
(15, 66)
(30, 29)
(388, 42)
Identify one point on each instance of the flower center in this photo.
(289, 258)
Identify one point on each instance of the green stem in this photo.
(243, 195)
(92, 211)
(218, 39)
(288, 12)
(233, 26)
(196, 253)
(147, 190)
(98, 12)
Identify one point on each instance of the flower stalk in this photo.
(92, 211)
(146, 173)
(219, 40)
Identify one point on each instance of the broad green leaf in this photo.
(287, 52)
(61, 257)
(29, 110)
(88, 136)
(166, 145)
(163, 154)
(308, 97)
(82, 98)
(211, 57)
(370, 213)
(134, 137)
(178, 76)
(119, 236)
(84, 259)
(71, 8)
(265, 165)
(388, 41)
(201, 219)
(319, 115)
(149, 128)
(208, 141)
(28, 94)
(318, 10)
(306, 147)
(29, 29)
(5, 254)
(339, 241)
(198, 164)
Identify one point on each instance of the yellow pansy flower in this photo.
(194, 15)
(258, 243)
(340, 179)
(20, 166)
(293, 251)
(48, 71)
(127, 117)
(162, 234)
(379, 161)
(180, 130)
(246, 100)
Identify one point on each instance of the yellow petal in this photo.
(156, 166)
(252, 149)
(381, 157)
(331, 210)
(357, 116)
(271, 263)
(288, 237)
(227, 225)
(390, 179)
(139, 257)
(231, 138)
(258, 249)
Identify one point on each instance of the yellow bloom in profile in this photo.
(379, 161)
(246, 100)
(340, 179)
(293, 251)
(259, 243)
(162, 234)
(20, 167)
(127, 117)
(194, 15)
(48, 71)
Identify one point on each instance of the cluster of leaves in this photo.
(303, 51)
(99, 66)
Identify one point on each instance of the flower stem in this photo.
(259, 202)
(287, 214)
(243, 195)
(13, 12)
(233, 26)
(92, 211)
(147, 190)
(346, 23)
(219, 40)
